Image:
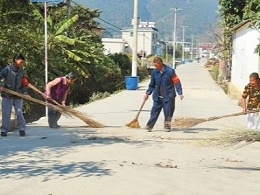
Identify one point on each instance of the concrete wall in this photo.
(234, 92)
(244, 60)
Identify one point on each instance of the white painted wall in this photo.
(244, 60)
(147, 40)
(112, 45)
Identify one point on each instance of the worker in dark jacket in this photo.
(11, 77)
(164, 84)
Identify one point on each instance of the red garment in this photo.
(175, 79)
(25, 81)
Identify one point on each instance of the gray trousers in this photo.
(7, 105)
(53, 116)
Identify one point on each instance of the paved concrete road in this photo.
(118, 160)
(203, 98)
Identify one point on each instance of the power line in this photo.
(109, 23)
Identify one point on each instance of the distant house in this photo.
(147, 38)
(114, 45)
(244, 59)
(147, 41)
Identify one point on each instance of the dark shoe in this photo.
(54, 126)
(3, 134)
(167, 126)
(22, 133)
(149, 129)
(167, 129)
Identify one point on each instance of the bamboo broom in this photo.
(82, 116)
(185, 122)
(29, 98)
(134, 123)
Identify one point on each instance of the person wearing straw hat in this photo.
(57, 90)
(12, 77)
(163, 84)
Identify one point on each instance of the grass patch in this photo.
(98, 96)
(214, 72)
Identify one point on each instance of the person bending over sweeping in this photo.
(12, 77)
(57, 90)
(163, 84)
(251, 92)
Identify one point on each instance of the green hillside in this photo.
(198, 15)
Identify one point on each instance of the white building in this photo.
(244, 59)
(114, 45)
(147, 38)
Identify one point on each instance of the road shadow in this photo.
(34, 166)
(42, 152)
(138, 110)
(62, 138)
(239, 168)
(195, 130)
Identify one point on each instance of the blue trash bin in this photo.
(131, 82)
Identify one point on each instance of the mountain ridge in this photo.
(198, 15)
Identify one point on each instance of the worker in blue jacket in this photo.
(164, 84)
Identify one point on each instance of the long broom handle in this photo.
(41, 93)
(69, 111)
(31, 99)
(139, 111)
(230, 115)
(64, 112)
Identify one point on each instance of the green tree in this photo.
(74, 44)
(231, 12)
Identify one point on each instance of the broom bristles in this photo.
(83, 116)
(133, 124)
(76, 113)
(61, 109)
(186, 122)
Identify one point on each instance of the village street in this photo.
(76, 159)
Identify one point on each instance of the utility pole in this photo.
(135, 39)
(46, 36)
(143, 49)
(68, 2)
(183, 42)
(166, 52)
(191, 57)
(174, 37)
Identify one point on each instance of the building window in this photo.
(131, 34)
